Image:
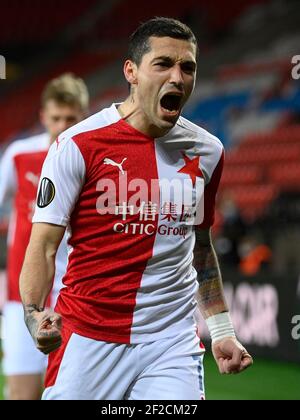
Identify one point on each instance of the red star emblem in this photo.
(192, 168)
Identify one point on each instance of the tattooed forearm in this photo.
(210, 297)
(30, 319)
(28, 309)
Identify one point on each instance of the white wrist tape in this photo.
(220, 326)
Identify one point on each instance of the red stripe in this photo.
(210, 193)
(25, 195)
(105, 269)
(56, 357)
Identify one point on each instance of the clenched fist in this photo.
(44, 326)
(231, 356)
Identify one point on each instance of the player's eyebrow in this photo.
(163, 58)
(169, 60)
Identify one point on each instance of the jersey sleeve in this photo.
(61, 181)
(210, 192)
(8, 177)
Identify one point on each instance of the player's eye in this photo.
(162, 65)
(188, 68)
(71, 119)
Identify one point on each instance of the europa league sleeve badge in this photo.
(46, 193)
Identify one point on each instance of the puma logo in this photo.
(31, 177)
(113, 163)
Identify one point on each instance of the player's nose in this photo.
(176, 76)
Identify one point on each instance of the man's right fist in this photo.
(44, 327)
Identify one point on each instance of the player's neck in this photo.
(132, 113)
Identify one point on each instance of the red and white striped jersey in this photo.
(20, 171)
(130, 203)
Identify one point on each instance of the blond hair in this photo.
(67, 89)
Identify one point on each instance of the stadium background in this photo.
(248, 94)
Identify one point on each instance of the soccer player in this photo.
(64, 103)
(135, 184)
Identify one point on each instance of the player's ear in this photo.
(130, 72)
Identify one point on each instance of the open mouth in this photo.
(171, 103)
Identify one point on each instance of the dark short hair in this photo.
(156, 27)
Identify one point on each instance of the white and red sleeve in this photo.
(61, 181)
(8, 177)
(210, 192)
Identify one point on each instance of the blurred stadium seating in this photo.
(37, 22)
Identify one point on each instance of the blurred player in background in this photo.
(64, 103)
(128, 329)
